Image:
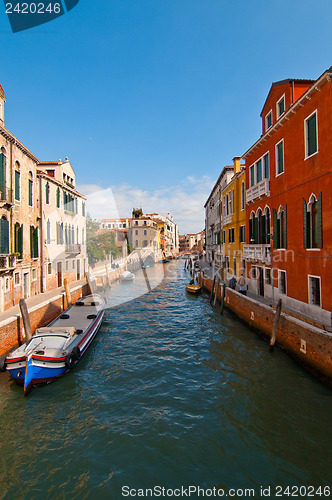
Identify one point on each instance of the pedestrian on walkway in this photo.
(242, 284)
(233, 282)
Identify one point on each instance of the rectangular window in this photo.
(49, 268)
(282, 282)
(259, 170)
(17, 278)
(268, 120)
(280, 157)
(17, 185)
(224, 236)
(280, 106)
(268, 276)
(30, 189)
(252, 176)
(311, 140)
(234, 266)
(314, 290)
(233, 204)
(242, 234)
(266, 161)
(242, 196)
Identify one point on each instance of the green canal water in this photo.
(169, 394)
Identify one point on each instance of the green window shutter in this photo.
(280, 159)
(255, 230)
(47, 193)
(17, 185)
(312, 135)
(31, 242)
(20, 242)
(263, 230)
(259, 170)
(35, 243)
(266, 166)
(319, 222)
(2, 170)
(275, 228)
(4, 236)
(30, 192)
(284, 228)
(58, 198)
(251, 235)
(306, 226)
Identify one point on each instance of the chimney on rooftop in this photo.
(237, 164)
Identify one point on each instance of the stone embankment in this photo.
(42, 310)
(309, 345)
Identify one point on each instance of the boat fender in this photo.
(79, 303)
(3, 364)
(64, 316)
(77, 352)
(91, 316)
(79, 331)
(94, 303)
(70, 360)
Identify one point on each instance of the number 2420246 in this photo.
(33, 8)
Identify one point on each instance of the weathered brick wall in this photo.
(12, 332)
(292, 334)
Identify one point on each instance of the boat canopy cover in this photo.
(70, 330)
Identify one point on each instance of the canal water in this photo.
(170, 394)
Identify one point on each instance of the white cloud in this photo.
(185, 201)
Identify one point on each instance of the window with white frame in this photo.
(282, 282)
(281, 106)
(252, 176)
(243, 195)
(268, 120)
(311, 137)
(266, 164)
(314, 290)
(280, 157)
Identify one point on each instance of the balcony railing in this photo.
(73, 249)
(228, 219)
(260, 189)
(7, 262)
(260, 253)
(6, 194)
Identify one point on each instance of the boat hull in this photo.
(36, 369)
(193, 288)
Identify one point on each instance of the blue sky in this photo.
(149, 99)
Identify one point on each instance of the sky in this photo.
(150, 99)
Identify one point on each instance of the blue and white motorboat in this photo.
(127, 276)
(53, 350)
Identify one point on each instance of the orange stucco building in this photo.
(288, 248)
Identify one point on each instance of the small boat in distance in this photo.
(127, 276)
(53, 350)
(191, 288)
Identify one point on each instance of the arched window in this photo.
(266, 229)
(312, 222)
(4, 235)
(3, 167)
(260, 224)
(18, 240)
(17, 181)
(48, 232)
(253, 228)
(280, 227)
(30, 189)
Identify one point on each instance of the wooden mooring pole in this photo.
(275, 325)
(211, 296)
(26, 319)
(216, 291)
(223, 293)
(67, 292)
